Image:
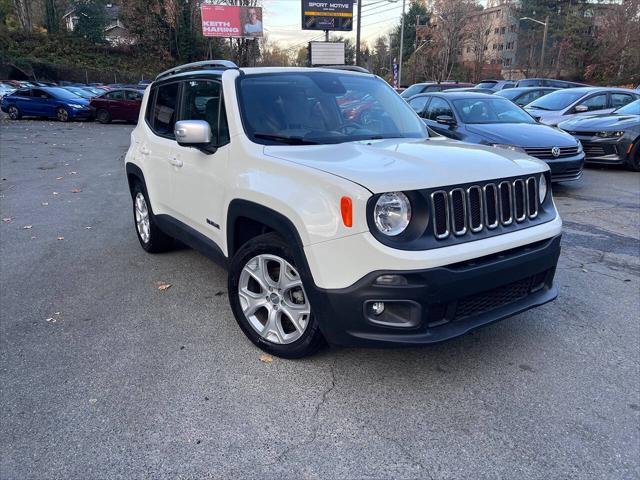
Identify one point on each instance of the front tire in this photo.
(634, 158)
(62, 114)
(151, 238)
(268, 299)
(14, 113)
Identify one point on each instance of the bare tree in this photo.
(449, 33)
(23, 12)
(477, 39)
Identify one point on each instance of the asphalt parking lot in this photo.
(103, 375)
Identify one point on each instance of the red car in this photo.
(121, 104)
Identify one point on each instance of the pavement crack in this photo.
(314, 419)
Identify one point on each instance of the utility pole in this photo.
(401, 46)
(358, 32)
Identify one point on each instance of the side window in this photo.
(620, 99)
(437, 107)
(39, 93)
(201, 101)
(164, 114)
(149, 112)
(23, 93)
(597, 102)
(527, 97)
(133, 95)
(418, 104)
(115, 95)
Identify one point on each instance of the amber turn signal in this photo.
(346, 208)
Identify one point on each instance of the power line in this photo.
(377, 13)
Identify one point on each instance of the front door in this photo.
(199, 177)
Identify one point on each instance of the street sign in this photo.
(327, 15)
(327, 53)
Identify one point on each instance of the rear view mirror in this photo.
(194, 133)
(445, 120)
(581, 108)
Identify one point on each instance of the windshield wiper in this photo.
(285, 139)
(537, 107)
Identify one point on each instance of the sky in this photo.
(282, 22)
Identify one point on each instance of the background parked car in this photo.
(611, 138)
(121, 104)
(493, 120)
(548, 82)
(563, 104)
(496, 85)
(81, 92)
(525, 95)
(425, 87)
(50, 102)
(6, 90)
(488, 91)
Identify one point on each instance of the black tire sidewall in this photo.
(634, 158)
(18, 115)
(107, 116)
(273, 244)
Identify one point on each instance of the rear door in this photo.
(116, 105)
(132, 101)
(620, 99)
(24, 101)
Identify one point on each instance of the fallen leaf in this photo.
(51, 320)
(59, 178)
(7, 219)
(33, 238)
(55, 193)
(162, 286)
(56, 313)
(73, 173)
(76, 190)
(265, 358)
(88, 228)
(93, 401)
(60, 238)
(27, 227)
(44, 204)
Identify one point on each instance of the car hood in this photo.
(601, 122)
(522, 134)
(77, 101)
(409, 164)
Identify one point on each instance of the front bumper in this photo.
(605, 151)
(81, 113)
(566, 169)
(440, 303)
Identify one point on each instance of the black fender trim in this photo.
(135, 171)
(191, 237)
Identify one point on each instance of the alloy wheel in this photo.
(142, 218)
(273, 299)
(13, 113)
(63, 115)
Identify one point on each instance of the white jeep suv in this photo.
(339, 217)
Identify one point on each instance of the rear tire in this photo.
(268, 299)
(62, 114)
(103, 116)
(151, 238)
(14, 113)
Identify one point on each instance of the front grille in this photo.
(546, 153)
(497, 297)
(458, 211)
(591, 150)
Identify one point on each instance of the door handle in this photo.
(144, 151)
(175, 162)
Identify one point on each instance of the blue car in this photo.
(49, 102)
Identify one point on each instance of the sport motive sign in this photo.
(231, 21)
(318, 15)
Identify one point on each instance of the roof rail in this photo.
(352, 68)
(224, 64)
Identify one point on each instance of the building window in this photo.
(503, 30)
(468, 49)
(496, 30)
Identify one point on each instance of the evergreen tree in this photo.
(92, 19)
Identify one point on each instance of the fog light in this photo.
(391, 280)
(377, 308)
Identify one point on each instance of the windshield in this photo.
(412, 90)
(488, 85)
(632, 108)
(62, 94)
(490, 110)
(79, 92)
(309, 108)
(556, 100)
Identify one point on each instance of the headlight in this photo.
(392, 213)
(617, 134)
(580, 149)
(75, 105)
(542, 188)
(508, 147)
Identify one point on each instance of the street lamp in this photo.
(544, 36)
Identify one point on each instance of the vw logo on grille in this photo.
(555, 151)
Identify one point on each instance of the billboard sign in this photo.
(318, 15)
(231, 21)
(327, 53)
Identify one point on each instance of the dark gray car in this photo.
(525, 95)
(612, 138)
(494, 120)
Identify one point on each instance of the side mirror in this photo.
(581, 108)
(445, 120)
(194, 133)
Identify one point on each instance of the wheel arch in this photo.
(134, 174)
